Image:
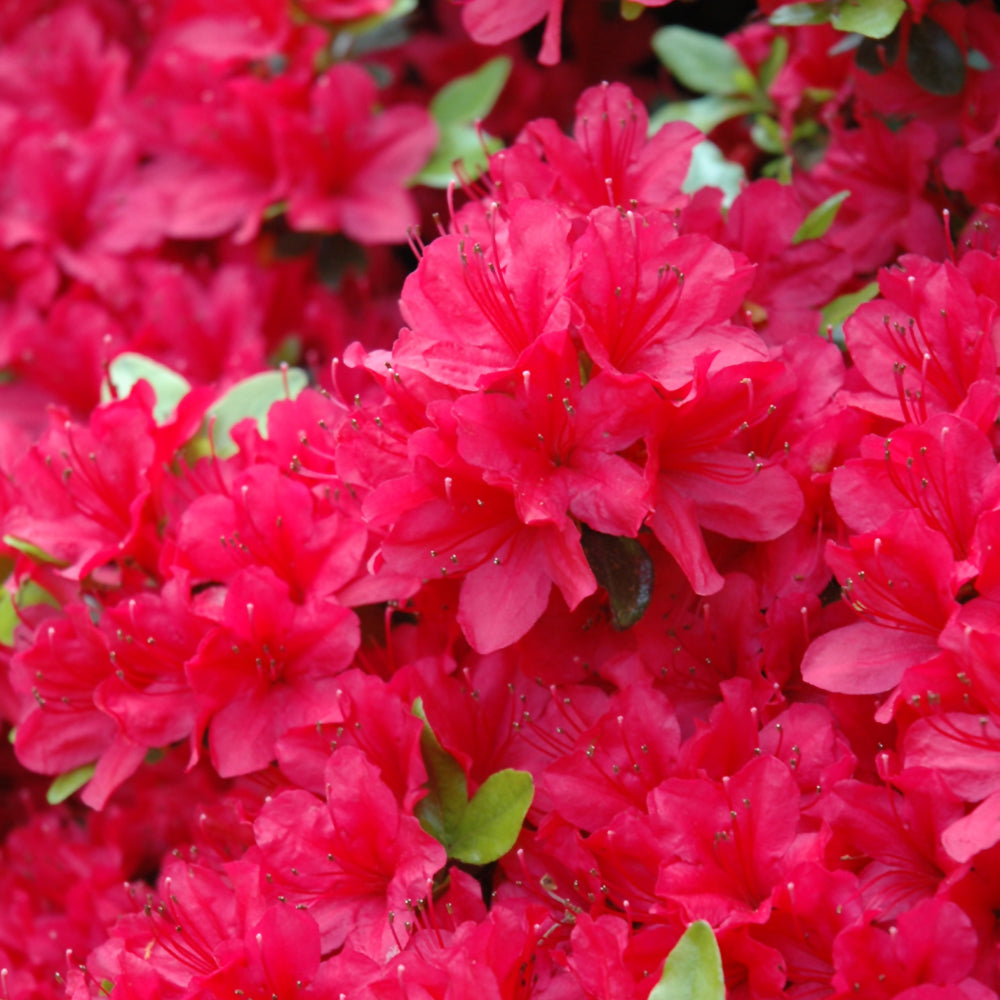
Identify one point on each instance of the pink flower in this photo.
(610, 159)
(355, 862)
(347, 165)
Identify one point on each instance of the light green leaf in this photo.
(709, 168)
(766, 134)
(630, 10)
(456, 108)
(460, 145)
(470, 98)
(977, 60)
(703, 63)
(798, 15)
(440, 811)
(774, 62)
(399, 9)
(8, 617)
(705, 113)
(493, 819)
(128, 368)
(66, 784)
(22, 545)
(834, 313)
(29, 594)
(871, 18)
(253, 397)
(693, 970)
(819, 220)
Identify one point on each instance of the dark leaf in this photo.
(876, 55)
(935, 62)
(623, 568)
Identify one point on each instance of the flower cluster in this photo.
(479, 623)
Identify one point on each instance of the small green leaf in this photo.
(799, 15)
(493, 819)
(705, 113)
(871, 18)
(630, 10)
(766, 134)
(703, 63)
(471, 98)
(819, 220)
(129, 368)
(934, 59)
(876, 55)
(774, 62)
(400, 8)
(29, 549)
(624, 569)
(835, 312)
(460, 145)
(456, 108)
(977, 60)
(253, 397)
(8, 617)
(29, 594)
(66, 784)
(693, 970)
(440, 811)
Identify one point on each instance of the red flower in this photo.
(478, 300)
(355, 862)
(552, 441)
(705, 481)
(609, 160)
(654, 302)
(927, 344)
(731, 843)
(270, 665)
(348, 165)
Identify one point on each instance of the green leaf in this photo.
(29, 549)
(767, 136)
(799, 15)
(834, 313)
(693, 970)
(400, 8)
(871, 18)
(440, 811)
(456, 108)
(493, 819)
(710, 168)
(470, 98)
(819, 220)
(624, 569)
(703, 63)
(29, 594)
(253, 397)
(8, 617)
(460, 145)
(66, 784)
(128, 368)
(977, 60)
(774, 62)
(934, 59)
(630, 10)
(705, 113)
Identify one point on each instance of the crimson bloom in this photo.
(356, 862)
(553, 441)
